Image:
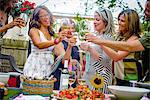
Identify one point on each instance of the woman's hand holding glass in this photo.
(92, 38)
(83, 34)
(72, 78)
(72, 41)
(84, 46)
(17, 22)
(79, 39)
(24, 17)
(62, 35)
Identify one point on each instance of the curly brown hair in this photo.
(34, 22)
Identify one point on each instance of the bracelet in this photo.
(56, 41)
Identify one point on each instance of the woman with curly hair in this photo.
(43, 42)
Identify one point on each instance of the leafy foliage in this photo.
(112, 3)
(81, 25)
(146, 26)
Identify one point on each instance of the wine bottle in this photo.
(64, 79)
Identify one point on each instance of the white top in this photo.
(43, 39)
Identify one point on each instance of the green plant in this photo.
(81, 25)
(55, 25)
(145, 26)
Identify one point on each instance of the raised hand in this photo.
(91, 38)
(17, 22)
(62, 35)
(72, 41)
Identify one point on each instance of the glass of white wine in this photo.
(80, 38)
(81, 79)
(72, 78)
(25, 18)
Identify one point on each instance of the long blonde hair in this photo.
(108, 18)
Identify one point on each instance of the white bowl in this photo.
(4, 77)
(128, 93)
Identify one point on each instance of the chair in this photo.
(12, 62)
(138, 64)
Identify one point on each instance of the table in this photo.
(13, 92)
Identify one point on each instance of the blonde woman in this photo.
(142, 44)
(100, 62)
(129, 30)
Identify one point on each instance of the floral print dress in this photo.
(38, 64)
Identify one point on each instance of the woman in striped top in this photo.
(100, 62)
(129, 30)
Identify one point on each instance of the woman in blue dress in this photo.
(74, 56)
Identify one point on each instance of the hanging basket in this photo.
(42, 87)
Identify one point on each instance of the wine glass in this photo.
(72, 78)
(82, 35)
(81, 80)
(80, 39)
(25, 18)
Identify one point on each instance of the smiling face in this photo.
(69, 26)
(44, 17)
(71, 29)
(147, 10)
(99, 24)
(122, 23)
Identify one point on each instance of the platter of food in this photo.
(79, 93)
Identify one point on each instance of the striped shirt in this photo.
(102, 66)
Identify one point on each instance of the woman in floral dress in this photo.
(39, 62)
